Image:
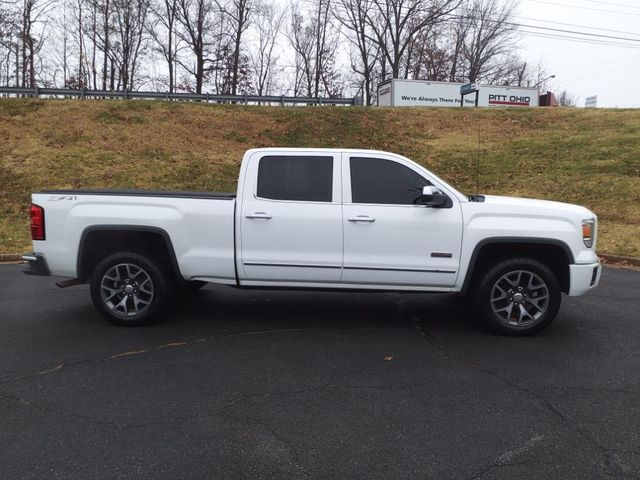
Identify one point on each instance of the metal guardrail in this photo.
(200, 97)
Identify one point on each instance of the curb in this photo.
(620, 259)
(10, 257)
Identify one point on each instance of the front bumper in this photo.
(583, 278)
(37, 264)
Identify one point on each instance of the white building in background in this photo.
(424, 93)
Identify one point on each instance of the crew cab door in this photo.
(389, 240)
(291, 218)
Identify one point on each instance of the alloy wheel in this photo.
(519, 298)
(127, 290)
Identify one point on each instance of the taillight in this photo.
(37, 222)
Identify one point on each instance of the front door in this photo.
(388, 239)
(291, 218)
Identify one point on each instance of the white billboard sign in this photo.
(413, 93)
(499, 96)
(591, 102)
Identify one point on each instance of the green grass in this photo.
(590, 157)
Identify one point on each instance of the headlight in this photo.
(588, 227)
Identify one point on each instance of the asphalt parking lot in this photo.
(255, 384)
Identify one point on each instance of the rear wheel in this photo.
(128, 289)
(518, 296)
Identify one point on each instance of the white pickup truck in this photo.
(316, 219)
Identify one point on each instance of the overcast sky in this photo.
(611, 72)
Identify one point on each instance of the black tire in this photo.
(131, 275)
(531, 293)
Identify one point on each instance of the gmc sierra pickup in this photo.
(319, 218)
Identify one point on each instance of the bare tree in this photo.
(162, 29)
(566, 99)
(129, 20)
(233, 46)
(200, 21)
(314, 45)
(489, 38)
(10, 40)
(301, 38)
(394, 24)
(353, 14)
(268, 22)
(321, 22)
(459, 28)
(33, 12)
(428, 55)
(238, 13)
(104, 8)
(537, 76)
(60, 53)
(521, 73)
(94, 42)
(80, 80)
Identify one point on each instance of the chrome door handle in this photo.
(362, 218)
(262, 215)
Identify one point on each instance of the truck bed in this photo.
(144, 193)
(199, 226)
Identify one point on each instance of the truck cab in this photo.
(355, 219)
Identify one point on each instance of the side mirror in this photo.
(433, 197)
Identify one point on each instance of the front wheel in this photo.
(128, 289)
(519, 296)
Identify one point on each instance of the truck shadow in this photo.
(216, 305)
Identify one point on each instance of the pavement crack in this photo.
(506, 459)
(223, 409)
(48, 410)
(129, 353)
(590, 389)
(496, 466)
(169, 346)
(47, 371)
(51, 370)
(613, 468)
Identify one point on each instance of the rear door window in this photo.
(297, 178)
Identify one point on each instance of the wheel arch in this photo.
(554, 253)
(97, 241)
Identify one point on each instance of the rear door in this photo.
(291, 218)
(389, 240)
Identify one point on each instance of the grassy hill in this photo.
(590, 157)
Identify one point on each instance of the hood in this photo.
(527, 205)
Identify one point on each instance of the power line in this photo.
(613, 4)
(586, 37)
(576, 25)
(587, 65)
(578, 39)
(550, 32)
(597, 38)
(601, 73)
(340, 6)
(555, 4)
(575, 32)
